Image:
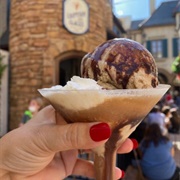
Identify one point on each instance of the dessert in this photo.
(116, 88)
(121, 64)
(83, 100)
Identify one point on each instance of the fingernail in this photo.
(99, 132)
(135, 143)
(123, 174)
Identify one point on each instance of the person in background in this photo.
(156, 116)
(175, 121)
(168, 115)
(177, 98)
(35, 105)
(168, 98)
(156, 152)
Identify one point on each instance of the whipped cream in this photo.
(78, 83)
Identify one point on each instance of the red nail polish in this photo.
(123, 174)
(99, 132)
(135, 143)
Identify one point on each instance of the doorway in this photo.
(68, 65)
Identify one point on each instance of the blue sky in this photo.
(138, 9)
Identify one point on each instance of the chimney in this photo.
(152, 6)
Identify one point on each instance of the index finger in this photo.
(126, 147)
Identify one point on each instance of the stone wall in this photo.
(37, 37)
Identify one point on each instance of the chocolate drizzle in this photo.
(105, 164)
(96, 70)
(154, 82)
(100, 50)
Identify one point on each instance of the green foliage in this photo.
(176, 65)
(2, 66)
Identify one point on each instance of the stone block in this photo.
(14, 49)
(53, 51)
(50, 6)
(34, 82)
(41, 43)
(48, 71)
(38, 36)
(49, 15)
(53, 28)
(31, 13)
(23, 47)
(35, 67)
(38, 7)
(47, 81)
(56, 2)
(23, 7)
(39, 29)
(14, 39)
(49, 10)
(25, 34)
(53, 34)
(30, 24)
(47, 62)
(21, 82)
(22, 21)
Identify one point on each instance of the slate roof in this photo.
(163, 15)
(135, 24)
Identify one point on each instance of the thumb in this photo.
(75, 136)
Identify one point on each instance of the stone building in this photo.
(45, 49)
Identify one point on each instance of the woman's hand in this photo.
(47, 148)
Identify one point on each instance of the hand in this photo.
(47, 148)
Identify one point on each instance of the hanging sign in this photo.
(76, 16)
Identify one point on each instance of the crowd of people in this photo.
(169, 107)
(156, 150)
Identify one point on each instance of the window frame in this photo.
(163, 48)
(157, 48)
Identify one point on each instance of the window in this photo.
(158, 48)
(178, 42)
(176, 47)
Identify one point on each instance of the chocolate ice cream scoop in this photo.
(121, 64)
